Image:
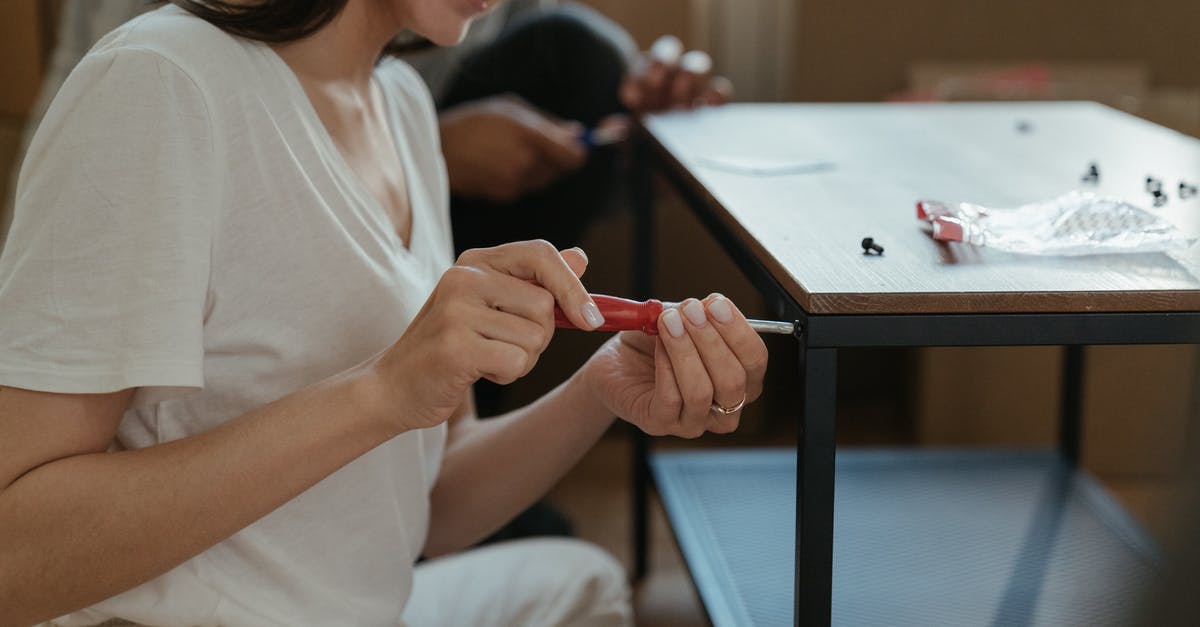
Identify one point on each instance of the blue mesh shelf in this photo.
(920, 538)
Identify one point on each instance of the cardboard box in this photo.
(861, 51)
(1002, 396)
(10, 140)
(1124, 86)
(1153, 502)
(1137, 401)
(1120, 85)
(22, 50)
(1174, 107)
(647, 21)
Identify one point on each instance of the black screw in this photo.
(1153, 185)
(1093, 174)
(870, 246)
(1186, 191)
(1160, 198)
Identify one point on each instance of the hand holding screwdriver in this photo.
(621, 314)
(694, 374)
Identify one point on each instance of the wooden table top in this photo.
(806, 227)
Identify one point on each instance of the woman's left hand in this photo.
(705, 356)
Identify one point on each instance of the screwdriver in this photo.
(622, 314)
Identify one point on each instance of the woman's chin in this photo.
(448, 23)
(448, 35)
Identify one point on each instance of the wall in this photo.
(722, 28)
(861, 50)
(25, 27)
(21, 49)
(647, 21)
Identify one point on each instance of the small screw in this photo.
(870, 246)
(1153, 185)
(1186, 191)
(1160, 198)
(1024, 126)
(1093, 174)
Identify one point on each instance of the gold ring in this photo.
(718, 409)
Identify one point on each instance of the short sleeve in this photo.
(104, 276)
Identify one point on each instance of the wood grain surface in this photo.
(806, 227)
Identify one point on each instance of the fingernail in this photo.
(581, 253)
(666, 49)
(720, 309)
(696, 62)
(673, 322)
(695, 312)
(592, 314)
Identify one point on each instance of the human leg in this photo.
(541, 582)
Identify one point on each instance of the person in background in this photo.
(514, 99)
(514, 103)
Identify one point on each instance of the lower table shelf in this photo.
(920, 538)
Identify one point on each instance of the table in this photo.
(797, 237)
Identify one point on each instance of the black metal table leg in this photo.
(642, 202)
(1070, 430)
(814, 487)
(641, 501)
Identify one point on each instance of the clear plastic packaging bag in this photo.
(1076, 223)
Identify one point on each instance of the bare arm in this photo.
(495, 468)
(78, 525)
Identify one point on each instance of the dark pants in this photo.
(558, 62)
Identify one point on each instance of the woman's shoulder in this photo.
(202, 51)
(400, 78)
(408, 91)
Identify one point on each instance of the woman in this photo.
(223, 226)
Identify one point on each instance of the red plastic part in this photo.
(930, 210)
(948, 230)
(620, 314)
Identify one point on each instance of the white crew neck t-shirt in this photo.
(185, 225)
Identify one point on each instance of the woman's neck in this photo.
(346, 49)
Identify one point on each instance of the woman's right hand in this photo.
(490, 316)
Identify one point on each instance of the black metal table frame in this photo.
(819, 338)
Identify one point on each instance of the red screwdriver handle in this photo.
(620, 314)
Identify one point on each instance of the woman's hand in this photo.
(705, 355)
(490, 316)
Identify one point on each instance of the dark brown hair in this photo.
(279, 21)
(273, 21)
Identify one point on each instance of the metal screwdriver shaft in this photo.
(772, 326)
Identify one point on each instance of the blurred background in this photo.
(1143, 58)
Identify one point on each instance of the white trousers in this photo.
(537, 582)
